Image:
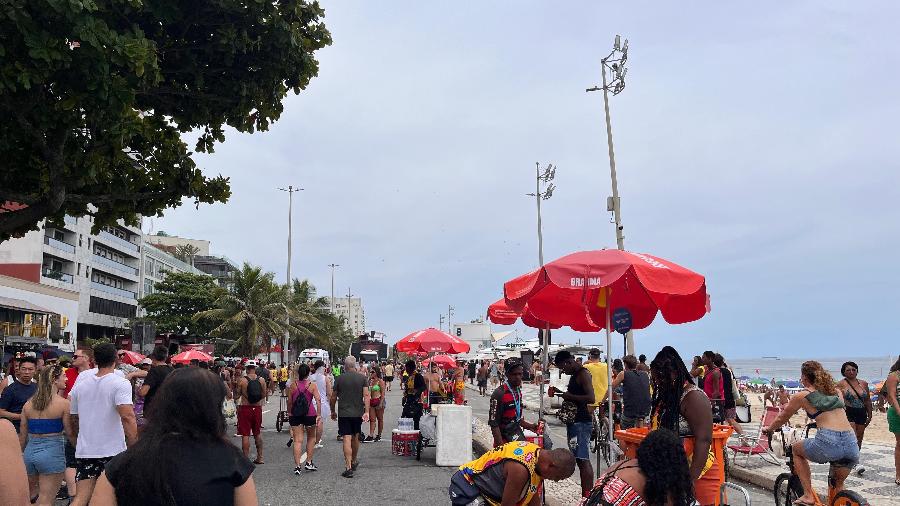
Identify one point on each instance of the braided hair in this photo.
(664, 463)
(669, 376)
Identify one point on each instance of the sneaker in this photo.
(297, 470)
(377, 438)
(860, 470)
(310, 466)
(366, 439)
(320, 445)
(290, 442)
(354, 466)
(62, 494)
(348, 473)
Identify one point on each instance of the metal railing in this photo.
(20, 329)
(118, 241)
(57, 275)
(128, 294)
(60, 245)
(115, 265)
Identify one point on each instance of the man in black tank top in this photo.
(580, 392)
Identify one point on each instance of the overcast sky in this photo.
(757, 145)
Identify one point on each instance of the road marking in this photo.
(266, 411)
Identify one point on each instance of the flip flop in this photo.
(257, 462)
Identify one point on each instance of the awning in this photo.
(23, 305)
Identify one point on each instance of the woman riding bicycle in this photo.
(835, 440)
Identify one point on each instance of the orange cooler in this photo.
(630, 439)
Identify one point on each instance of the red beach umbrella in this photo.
(432, 340)
(186, 356)
(442, 361)
(500, 313)
(131, 357)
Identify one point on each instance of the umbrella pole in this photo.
(609, 390)
(544, 366)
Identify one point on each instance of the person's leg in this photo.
(297, 435)
(897, 459)
(840, 474)
(310, 442)
(257, 438)
(860, 431)
(245, 445)
(586, 473)
(83, 491)
(48, 486)
(354, 450)
(320, 429)
(802, 470)
(373, 420)
(348, 449)
(380, 413)
(70, 481)
(737, 427)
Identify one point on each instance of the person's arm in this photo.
(5, 401)
(868, 401)
(13, 480)
(314, 391)
(140, 373)
(245, 495)
(23, 425)
(697, 411)
(790, 408)
(618, 379)
(585, 381)
(517, 479)
(332, 400)
(494, 416)
(419, 385)
(890, 384)
(67, 423)
(383, 386)
(366, 397)
(104, 494)
(126, 412)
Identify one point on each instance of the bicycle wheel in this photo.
(787, 489)
(603, 441)
(848, 498)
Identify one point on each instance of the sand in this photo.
(877, 432)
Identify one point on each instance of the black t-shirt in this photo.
(198, 472)
(154, 379)
(582, 414)
(14, 398)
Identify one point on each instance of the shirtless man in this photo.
(251, 393)
(436, 390)
(779, 396)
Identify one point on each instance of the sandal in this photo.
(258, 462)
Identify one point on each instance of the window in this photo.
(89, 242)
(111, 307)
(79, 269)
(79, 239)
(148, 287)
(148, 266)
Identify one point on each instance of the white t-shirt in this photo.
(94, 399)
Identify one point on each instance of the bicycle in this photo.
(788, 489)
(601, 435)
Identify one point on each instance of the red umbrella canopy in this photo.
(432, 340)
(577, 289)
(500, 313)
(131, 357)
(186, 356)
(442, 361)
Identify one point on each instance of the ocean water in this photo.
(871, 369)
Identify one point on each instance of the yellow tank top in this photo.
(521, 451)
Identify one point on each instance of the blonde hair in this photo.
(819, 377)
(45, 389)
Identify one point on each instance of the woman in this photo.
(323, 380)
(183, 457)
(304, 420)
(44, 428)
(891, 391)
(376, 405)
(679, 406)
(858, 402)
(835, 439)
(658, 476)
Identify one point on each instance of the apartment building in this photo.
(352, 310)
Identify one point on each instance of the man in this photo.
(263, 372)
(81, 361)
(282, 377)
(778, 397)
(728, 395)
(436, 390)
(713, 386)
(494, 373)
(251, 391)
(599, 378)
(481, 378)
(159, 369)
(413, 388)
(510, 475)
(103, 420)
(350, 389)
(580, 392)
(19, 391)
(471, 368)
(388, 375)
(505, 413)
(642, 366)
(635, 393)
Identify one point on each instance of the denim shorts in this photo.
(831, 445)
(579, 435)
(45, 455)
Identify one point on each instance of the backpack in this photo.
(301, 403)
(254, 391)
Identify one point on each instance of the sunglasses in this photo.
(75, 357)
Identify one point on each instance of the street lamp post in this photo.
(332, 285)
(349, 295)
(449, 316)
(290, 190)
(543, 178)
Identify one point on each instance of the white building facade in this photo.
(351, 308)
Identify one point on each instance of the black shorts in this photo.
(482, 382)
(70, 455)
(90, 469)
(388, 379)
(858, 416)
(349, 425)
(306, 421)
(282, 385)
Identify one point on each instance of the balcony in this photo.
(57, 275)
(114, 265)
(113, 290)
(20, 329)
(62, 246)
(119, 242)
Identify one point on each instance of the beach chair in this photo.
(761, 442)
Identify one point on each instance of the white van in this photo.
(313, 354)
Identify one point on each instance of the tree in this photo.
(256, 309)
(95, 95)
(186, 253)
(177, 298)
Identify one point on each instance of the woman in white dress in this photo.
(323, 380)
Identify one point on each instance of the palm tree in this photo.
(256, 309)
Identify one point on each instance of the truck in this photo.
(370, 347)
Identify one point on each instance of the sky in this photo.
(755, 144)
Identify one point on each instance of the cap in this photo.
(250, 363)
(595, 352)
(146, 361)
(562, 356)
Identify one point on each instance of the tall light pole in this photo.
(291, 190)
(441, 322)
(349, 295)
(332, 285)
(543, 178)
(449, 316)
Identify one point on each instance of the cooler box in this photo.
(630, 439)
(533, 437)
(403, 442)
(454, 434)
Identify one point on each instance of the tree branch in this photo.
(131, 197)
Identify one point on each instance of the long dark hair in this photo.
(896, 366)
(662, 459)
(188, 406)
(669, 376)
